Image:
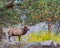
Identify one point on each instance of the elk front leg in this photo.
(19, 38)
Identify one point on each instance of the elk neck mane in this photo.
(24, 31)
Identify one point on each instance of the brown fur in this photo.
(17, 32)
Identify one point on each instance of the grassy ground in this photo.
(41, 36)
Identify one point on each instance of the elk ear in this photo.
(22, 27)
(26, 26)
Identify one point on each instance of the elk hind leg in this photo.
(9, 38)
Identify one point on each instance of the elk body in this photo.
(17, 32)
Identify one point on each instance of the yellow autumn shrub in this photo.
(43, 36)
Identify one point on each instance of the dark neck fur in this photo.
(24, 31)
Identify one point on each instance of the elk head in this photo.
(26, 28)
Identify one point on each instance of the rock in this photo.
(58, 45)
(5, 46)
(9, 45)
(48, 44)
(33, 45)
(55, 44)
(27, 45)
(12, 46)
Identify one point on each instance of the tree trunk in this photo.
(49, 29)
(0, 35)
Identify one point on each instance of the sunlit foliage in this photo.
(40, 37)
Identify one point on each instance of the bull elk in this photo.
(17, 32)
